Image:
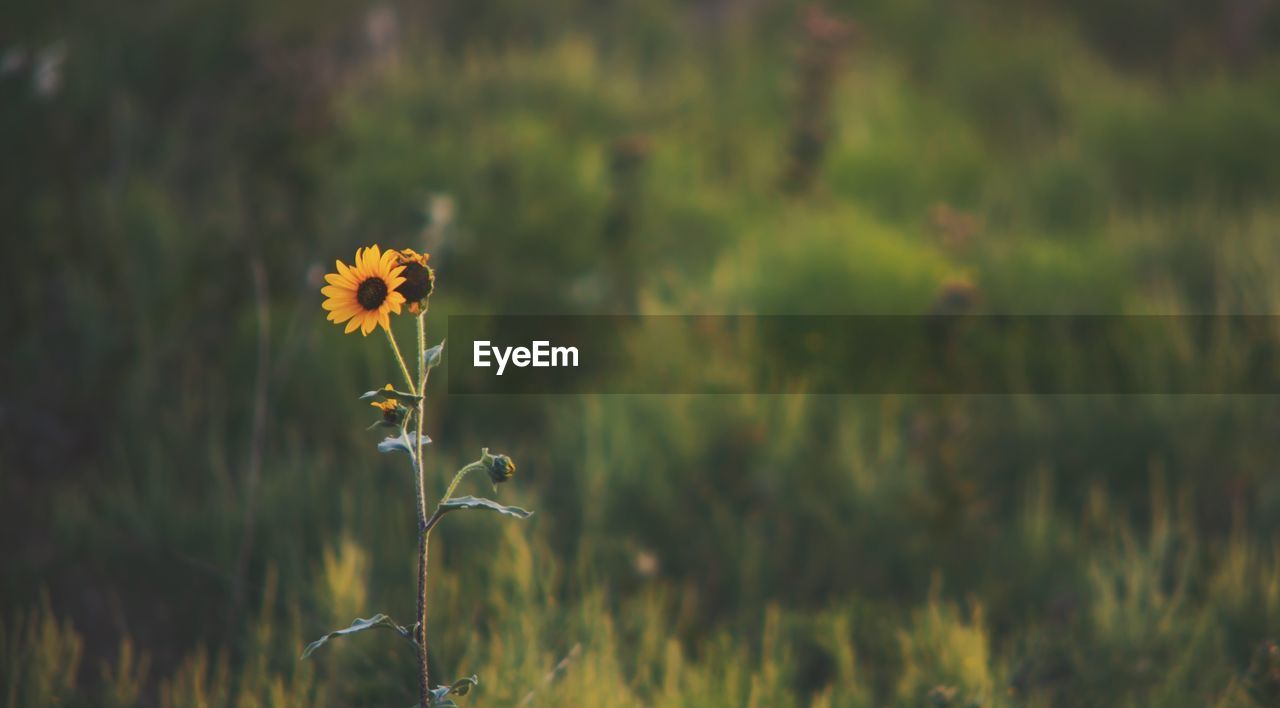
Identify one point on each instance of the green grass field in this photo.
(187, 495)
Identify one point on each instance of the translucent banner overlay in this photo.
(864, 354)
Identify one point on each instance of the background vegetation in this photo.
(184, 503)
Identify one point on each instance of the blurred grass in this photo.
(753, 550)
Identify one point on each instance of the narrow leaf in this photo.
(482, 503)
(359, 625)
(464, 685)
(434, 354)
(440, 694)
(384, 393)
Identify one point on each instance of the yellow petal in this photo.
(339, 280)
(352, 326)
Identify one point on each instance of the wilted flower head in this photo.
(419, 278)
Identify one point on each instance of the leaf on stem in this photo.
(433, 355)
(469, 502)
(413, 438)
(440, 694)
(359, 625)
(388, 393)
(406, 442)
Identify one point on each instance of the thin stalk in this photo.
(424, 676)
(424, 539)
(395, 349)
(448, 494)
(473, 467)
(422, 350)
(421, 470)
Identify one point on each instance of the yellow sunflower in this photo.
(365, 293)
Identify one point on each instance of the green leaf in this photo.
(480, 503)
(404, 442)
(396, 443)
(463, 686)
(384, 393)
(413, 439)
(434, 354)
(440, 694)
(360, 625)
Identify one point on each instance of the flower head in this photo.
(364, 295)
(392, 412)
(419, 278)
(500, 467)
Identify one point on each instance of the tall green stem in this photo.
(421, 481)
(419, 489)
(424, 676)
(420, 485)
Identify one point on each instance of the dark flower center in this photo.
(371, 293)
(418, 282)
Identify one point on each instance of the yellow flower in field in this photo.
(392, 412)
(419, 278)
(365, 294)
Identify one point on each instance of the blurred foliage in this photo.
(629, 156)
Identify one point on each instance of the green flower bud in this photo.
(500, 467)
